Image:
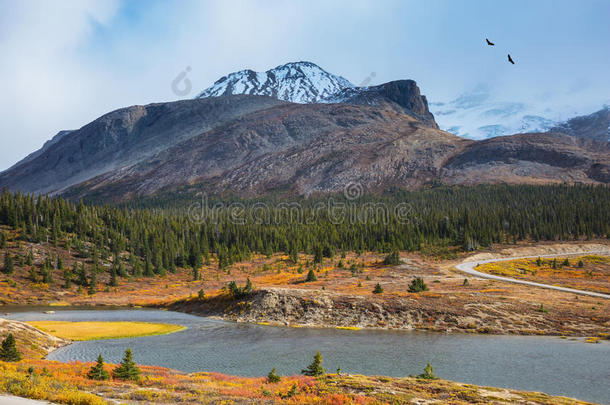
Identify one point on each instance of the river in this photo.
(548, 364)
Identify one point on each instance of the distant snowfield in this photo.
(476, 115)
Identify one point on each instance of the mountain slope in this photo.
(528, 158)
(300, 148)
(595, 127)
(297, 82)
(122, 138)
(246, 144)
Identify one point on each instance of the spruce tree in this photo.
(8, 350)
(113, 280)
(273, 376)
(9, 267)
(378, 289)
(92, 282)
(98, 372)
(417, 285)
(315, 368)
(127, 370)
(311, 276)
(393, 259)
(67, 278)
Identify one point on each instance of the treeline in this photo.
(160, 240)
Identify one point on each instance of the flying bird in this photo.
(489, 42)
(511, 59)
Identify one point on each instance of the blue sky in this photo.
(64, 63)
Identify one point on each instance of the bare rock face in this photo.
(400, 93)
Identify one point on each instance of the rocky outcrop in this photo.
(31, 342)
(315, 308)
(401, 94)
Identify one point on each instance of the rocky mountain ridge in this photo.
(378, 137)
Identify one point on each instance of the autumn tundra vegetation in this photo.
(151, 253)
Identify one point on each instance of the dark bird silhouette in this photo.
(511, 59)
(489, 42)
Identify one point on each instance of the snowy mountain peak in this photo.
(298, 82)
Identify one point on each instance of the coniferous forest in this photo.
(161, 239)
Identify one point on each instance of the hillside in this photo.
(240, 138)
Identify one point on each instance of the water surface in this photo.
(547, 364)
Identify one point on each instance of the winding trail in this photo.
(468, 267)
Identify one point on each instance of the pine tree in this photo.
(67, 278)
(315, 368)
(82, 276)
(8, 350)
(92, 282)
(428, 373)
(113, 280)
(393, 259)
(273, 376)
(98, 372)
(248, 287)
(127, 369)
(201, 294)
(378, 289)
(311, 276)
(196, 275)
(417, 285)
(9, 267)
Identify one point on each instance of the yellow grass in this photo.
(104, 330)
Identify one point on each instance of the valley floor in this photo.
(342, 295)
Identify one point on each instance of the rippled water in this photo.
(547, 364)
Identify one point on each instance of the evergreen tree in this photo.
(92, 282)
(393, 259)
(428, 373)
(417, 285)
(97, 372)
(311, 276)
(82, 275)
(8, 350)
(378, 289)
(317, 255)
(273, 376)
(127, 370)
(248, 287)
(201, 294)
(67, 278)
(581, 264)
(29, 258)
(9, 267)
(113, 280)
(196, 274)
(315, 368)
